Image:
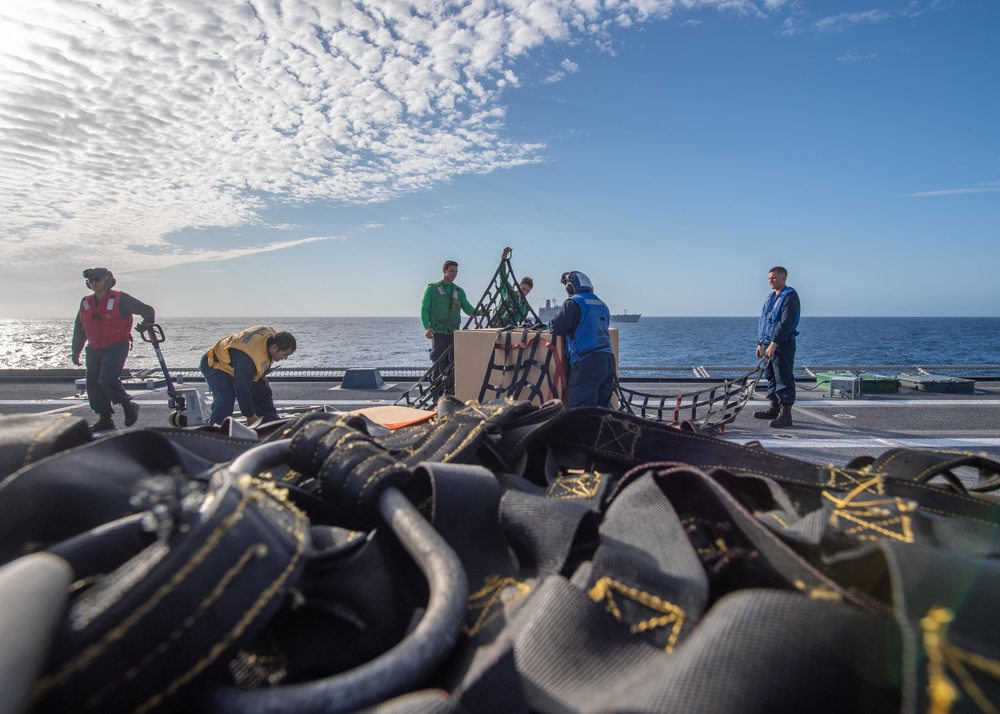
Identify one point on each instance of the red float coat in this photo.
(103, 323)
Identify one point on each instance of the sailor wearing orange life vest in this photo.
(104, 323)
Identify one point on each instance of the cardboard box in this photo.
(523, 364)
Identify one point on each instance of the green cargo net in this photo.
(502, 305)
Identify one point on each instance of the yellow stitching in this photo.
(873, 509)
(395, 465)
(86, 658)
(480, 426)
(772, 514)
(604, 590)
(855, 492)
(905, 536)
(492, 600)
(244, 622)
(258, 550)
(608, 433)
(942, 656)
(29, 453)
(817, 593)
(583, 484)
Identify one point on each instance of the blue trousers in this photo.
(592, 381)
(104, 377)
(779, 374)
(224, 395)
(439, 347)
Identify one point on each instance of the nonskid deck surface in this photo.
(826, 430)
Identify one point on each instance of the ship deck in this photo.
(826, 430)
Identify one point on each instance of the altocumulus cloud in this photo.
(126, 121)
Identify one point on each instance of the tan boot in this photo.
(784, 417)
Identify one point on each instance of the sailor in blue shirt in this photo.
(776, 331)
(584, 319)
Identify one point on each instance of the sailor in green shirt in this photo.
(513, 308)
(440, 310)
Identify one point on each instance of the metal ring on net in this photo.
(409, 661)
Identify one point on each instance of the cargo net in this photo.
(524, 366)
(502, 305)
(709, 409)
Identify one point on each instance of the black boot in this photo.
(131, 410)
(103, 424)
(784, 417)
(769, 413)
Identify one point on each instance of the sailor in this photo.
(440, 310)
(513, 309)
(104, 323)
(776, 333)
(236, 367)
(584, 319)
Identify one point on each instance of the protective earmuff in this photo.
(567, 280)
(94, 272)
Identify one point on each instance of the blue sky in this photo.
(321, 158)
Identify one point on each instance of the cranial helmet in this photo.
(577, 282)
(96, 273)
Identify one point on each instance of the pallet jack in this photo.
(186, 404)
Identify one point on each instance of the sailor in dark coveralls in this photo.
(585, 320)
(776, 333)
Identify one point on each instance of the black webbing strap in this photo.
(923, 465)
(945, 605)
(758, 651)
(28, 439)
(631, 441)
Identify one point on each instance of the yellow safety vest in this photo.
(252, 341)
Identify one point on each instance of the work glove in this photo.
(75, 359)
(142, 327)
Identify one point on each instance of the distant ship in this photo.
(625, 317)
(548, 312)
(551, 307)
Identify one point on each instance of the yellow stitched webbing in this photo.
(492, 600)
(942, 657)
(605, 590)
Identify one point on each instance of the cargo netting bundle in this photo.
(500, 557)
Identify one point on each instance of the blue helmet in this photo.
(577, 282)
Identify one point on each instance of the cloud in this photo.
(127, 121)
(566, 67)
(847, 20)
(851, 57)
(952, 192)
(801, 21)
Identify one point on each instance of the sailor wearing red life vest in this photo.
(104, 323)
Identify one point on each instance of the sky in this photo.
(325, 157)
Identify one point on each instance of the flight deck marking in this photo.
(908, 442)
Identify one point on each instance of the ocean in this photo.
(352, 342)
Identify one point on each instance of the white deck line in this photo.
(861, 403)
(871, 443)
(82, 401)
